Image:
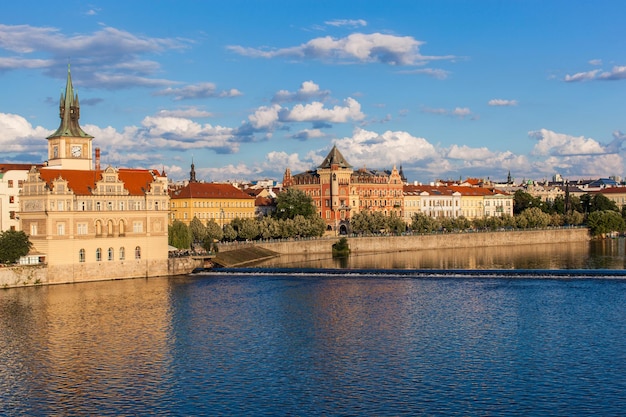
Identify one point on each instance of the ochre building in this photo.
(91, 224)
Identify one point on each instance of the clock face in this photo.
(76, 151)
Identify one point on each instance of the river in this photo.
(317, 341)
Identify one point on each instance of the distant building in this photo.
(338, 191)
(209, 201)
(12, 178)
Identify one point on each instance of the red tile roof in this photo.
(82, 182)
(209, 190)
(17, 167)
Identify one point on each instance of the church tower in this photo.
(70, 147)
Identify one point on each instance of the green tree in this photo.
(293, 202)
(605, 221)
(600, 202)
(422, 223)
(230, 234)
(247, 228)
(213, 231)
(13, 245)
(179, 235)
(395, 224)
(534, 217)
(198, 230)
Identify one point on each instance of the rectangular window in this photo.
(11, 199)
(33, 229)
(10, 183)
(12, 214)
(81, 228)
(60, 229)
(137, 227)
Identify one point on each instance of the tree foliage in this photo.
(294, 202)
(198, 230)
(179, 235)
(605, 221)
(13, 245)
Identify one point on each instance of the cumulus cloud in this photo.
(201, 90)
(581, 76)
(464, 152)
(315, 112)
(552, 143)
(366, 148)
(502, 102)
(307, 91)
(17, 135)
(357, 47)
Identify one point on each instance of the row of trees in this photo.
(295, 216)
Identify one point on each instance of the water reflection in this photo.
(92, 341)
(602, 254)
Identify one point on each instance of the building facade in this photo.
(209, 201)
(338, 191)
(87, 223)
(12, 177)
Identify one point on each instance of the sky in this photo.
(245, 89)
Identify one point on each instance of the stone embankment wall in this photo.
(23, 275)
(28, 275)
(382, 244)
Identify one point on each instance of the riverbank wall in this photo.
(385, 244)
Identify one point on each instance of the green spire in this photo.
(69, 112)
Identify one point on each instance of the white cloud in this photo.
(200, 90)
(18, 135)
(581, 76)
(460, 112)
(433, 72)
(308, 91)
(502, 102)
(191, 112)
(357, 47)
(617, 73)
(346, 22)
(315, 112)
(552, 143)
(265, 117)
(595, 62)
(368, 148)
(466, 153)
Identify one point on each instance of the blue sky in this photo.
(445, 89)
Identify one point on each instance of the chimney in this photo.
(97, 159)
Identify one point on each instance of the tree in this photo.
(13, 245)
(605, 221)
(179, 235)
(247, 228)
(534, 218)
(198, 230)
(422, 223)
(229, 233)
(213, 231)
(600, 202)
(522, 201)
(293, 202)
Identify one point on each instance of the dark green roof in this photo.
(69, 113)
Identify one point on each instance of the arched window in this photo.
(137, 252)
(81, 255)
(98, 228)
(122, 228)
(110, 228)
(98, 254)
(122, 253)
(110, 253)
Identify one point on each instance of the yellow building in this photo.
(91, 224)
(210, 201)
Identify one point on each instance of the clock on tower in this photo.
(77, 151)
